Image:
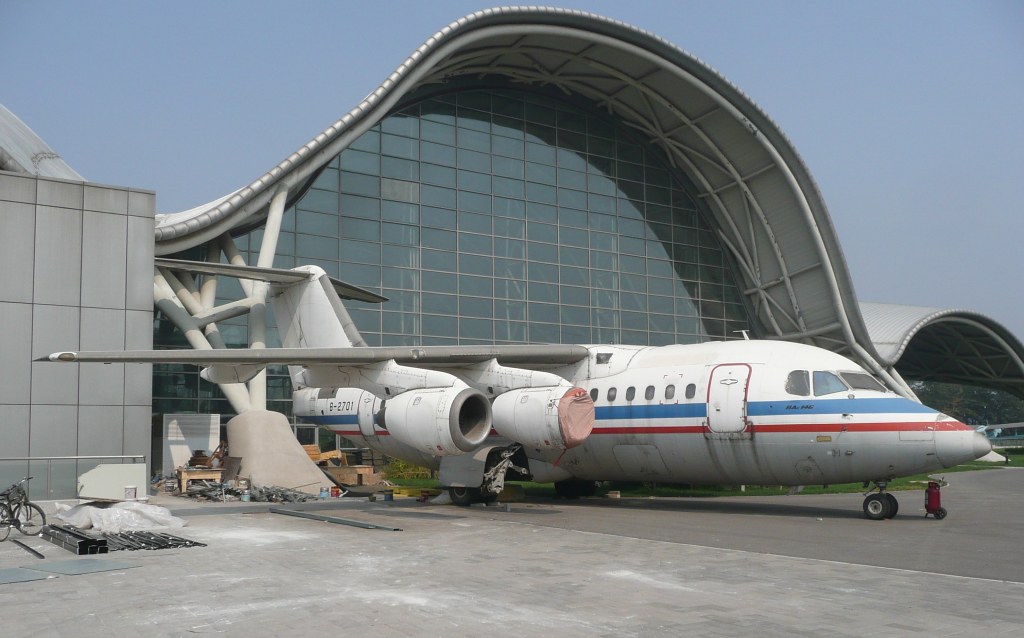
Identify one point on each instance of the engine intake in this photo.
(553, 417)
(439, 421)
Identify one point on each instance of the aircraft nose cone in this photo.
(982, 445)
(960, 445)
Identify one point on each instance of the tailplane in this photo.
(310, 313)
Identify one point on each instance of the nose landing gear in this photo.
(880, 505)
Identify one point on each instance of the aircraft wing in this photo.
(521, 355)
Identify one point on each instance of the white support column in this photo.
(260, 290)
(208, 297)
(227, 244)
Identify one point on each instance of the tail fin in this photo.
(310, 314)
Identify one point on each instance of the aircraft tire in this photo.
(464, 496)
(876, 507)
(894, 505)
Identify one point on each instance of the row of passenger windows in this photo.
(799, 382)
(649, 392)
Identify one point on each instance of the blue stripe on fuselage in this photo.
(897, 405)
(642, 411)
(331, 419)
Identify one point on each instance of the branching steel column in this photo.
(166, 302)
(260, 291)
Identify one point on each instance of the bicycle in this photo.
(5, 522)
(19, 512)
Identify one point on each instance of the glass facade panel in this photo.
(502, 216)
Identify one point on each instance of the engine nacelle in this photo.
(439, 421)
(553, 417)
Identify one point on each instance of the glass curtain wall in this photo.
(499, 216)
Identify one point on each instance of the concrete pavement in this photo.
(776, 566)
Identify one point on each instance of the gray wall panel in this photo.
(54, 430)
(141, 203)
(104, 251)
(102, 384)
(139, 291)
(58, 256)
(63, 194)
(17, 188)
(138, 430)
(15, 355)
(13, 431)
(17, 248)
(138, 329)
(100, 430)
(54, 328)
(106, 200)
(138, 381)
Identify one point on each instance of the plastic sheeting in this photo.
(120, 516)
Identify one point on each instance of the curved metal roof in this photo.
(22, 151)
(953, 346)
(766, 207)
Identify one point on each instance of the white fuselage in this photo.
(741, 412)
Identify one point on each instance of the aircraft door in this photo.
(727, 398)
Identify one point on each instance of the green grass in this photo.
(638, 489)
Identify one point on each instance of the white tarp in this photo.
(118, 517)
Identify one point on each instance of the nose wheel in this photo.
(880, 505)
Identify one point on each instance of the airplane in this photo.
(742, 412)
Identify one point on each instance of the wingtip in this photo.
(60, 356)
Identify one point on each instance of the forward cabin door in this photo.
(727, 398)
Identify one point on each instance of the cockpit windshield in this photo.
(862, 381)
(827, 383)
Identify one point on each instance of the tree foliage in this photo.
(972, 405)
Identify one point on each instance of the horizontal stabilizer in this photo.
(270, 275)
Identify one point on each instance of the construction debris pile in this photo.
(231, 491)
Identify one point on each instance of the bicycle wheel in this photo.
(30, 519)
(5, 522)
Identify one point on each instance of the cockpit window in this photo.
(799, 383)
(862, 381)
(827, 383)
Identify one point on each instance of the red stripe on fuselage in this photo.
(765, 428)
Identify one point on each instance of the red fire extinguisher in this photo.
(933, 501)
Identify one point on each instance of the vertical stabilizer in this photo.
(310, 314)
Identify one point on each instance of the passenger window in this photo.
(611, 394)
(649, 393)
(691, 391)
(593, 394)
(827, 383)
(630, 393)
(798, 382)
(670, 391)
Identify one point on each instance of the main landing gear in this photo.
(880, 505)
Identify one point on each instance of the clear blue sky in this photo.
(908, 113)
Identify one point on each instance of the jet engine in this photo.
(438, 421)
(552, 417)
